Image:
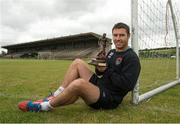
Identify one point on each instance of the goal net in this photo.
(155, 38)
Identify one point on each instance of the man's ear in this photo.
(129, 35)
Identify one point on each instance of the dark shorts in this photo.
(106, 100)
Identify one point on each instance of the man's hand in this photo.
(101, 68)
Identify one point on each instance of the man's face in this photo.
(120, 38)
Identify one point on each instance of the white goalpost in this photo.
(155, 38)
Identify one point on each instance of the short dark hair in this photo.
(121, 25)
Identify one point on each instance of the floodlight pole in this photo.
(134, 43)
(176, 35)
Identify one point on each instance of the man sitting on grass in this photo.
(106, 92)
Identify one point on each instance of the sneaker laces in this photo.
(47, 98)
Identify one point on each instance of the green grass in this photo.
(156, 72)
(33, 79)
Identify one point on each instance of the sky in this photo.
(31, 20)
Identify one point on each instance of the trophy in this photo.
(100, 59)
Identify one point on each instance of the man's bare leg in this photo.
(77, 69)
(78, 88)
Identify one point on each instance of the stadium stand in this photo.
(82, 45)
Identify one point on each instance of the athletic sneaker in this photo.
(27, 105)
(33, 106)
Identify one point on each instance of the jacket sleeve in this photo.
(125, 80)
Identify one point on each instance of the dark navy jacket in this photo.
(122, 72)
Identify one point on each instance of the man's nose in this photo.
(118, 37)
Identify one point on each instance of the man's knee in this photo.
(77, 84)
(77, 62)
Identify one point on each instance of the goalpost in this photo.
(155, 38)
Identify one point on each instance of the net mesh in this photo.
(157, 42)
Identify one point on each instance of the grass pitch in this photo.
(33, 79)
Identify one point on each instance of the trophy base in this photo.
(97, 62)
